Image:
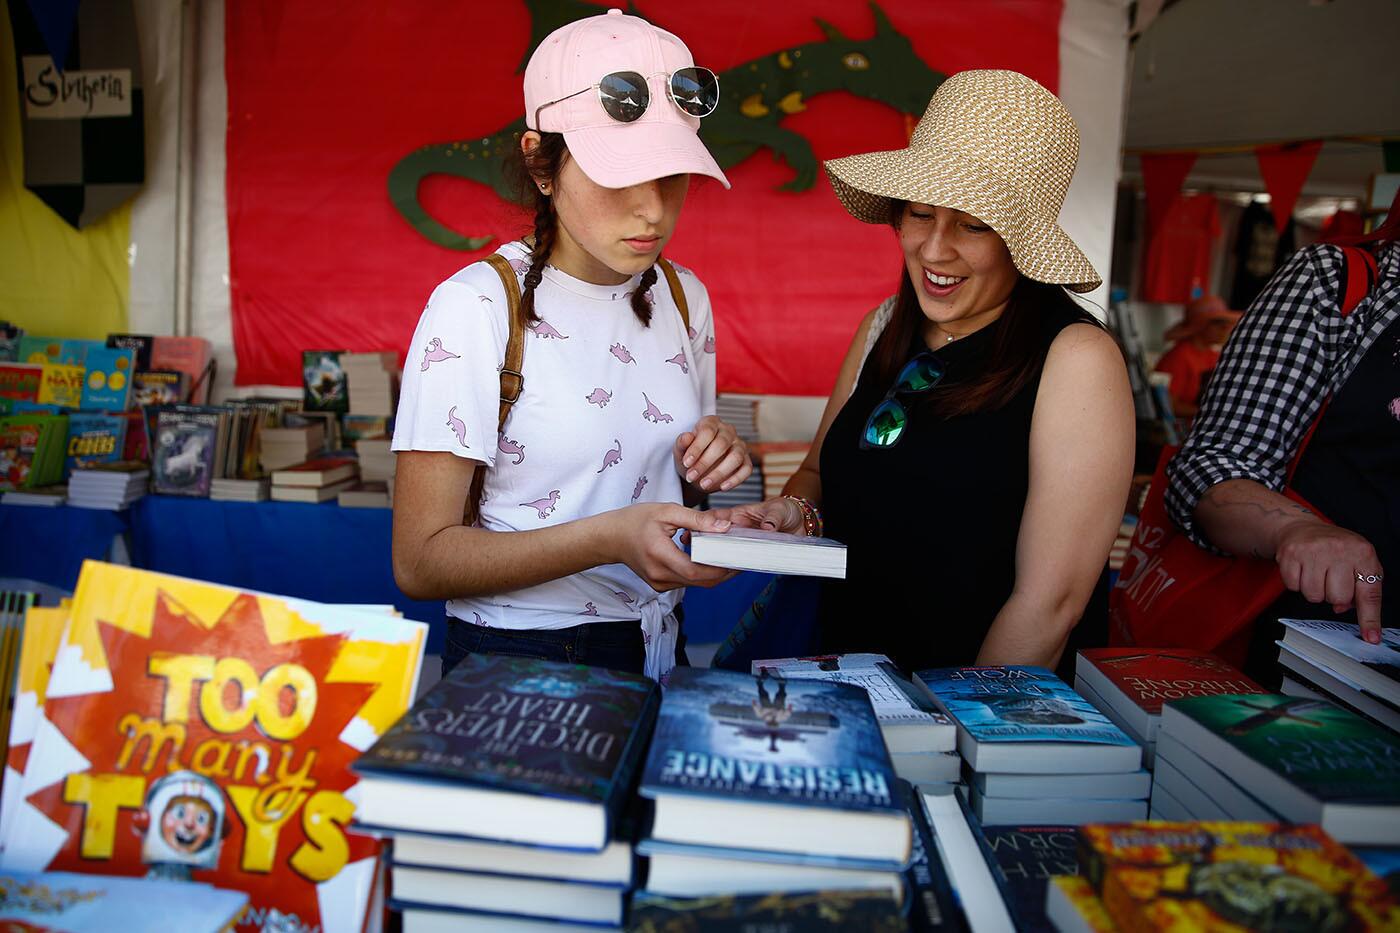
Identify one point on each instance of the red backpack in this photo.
(1172, 593)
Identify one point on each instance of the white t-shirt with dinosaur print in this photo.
(603, 402)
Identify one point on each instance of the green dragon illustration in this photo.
(755, 97)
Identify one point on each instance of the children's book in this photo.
(1072, 906)
(44, 350)
(1137, 681)
(21, 381)
(190, 355)
(1025, 720)
(323, 381)
(184, 452)
(1219, 876)
(200, 733)
(513, 749)
(159, 387)
(93, 437)
(31, 450)
(761, 762)
(1338, 647)
(62, 384)
(63, 902)
(9, 341)
(141, 343)
(909, 722)
(1310, 761)
(107, 385)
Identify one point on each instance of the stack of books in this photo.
(742, 413)
(1331, 659)
(315, 480)
(40, 496)
(777, 461)
(922, 742)
(765, 785)
(1218, 876)
(282, 447)
(766, 551)
(240, 490)
(1129, 685)
(108, 485)
(1274, 757)
(372, 379)
(376, 459)
(1035, 751)
(502, 790)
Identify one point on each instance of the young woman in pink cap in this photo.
(573, 555)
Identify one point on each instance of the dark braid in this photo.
(539, 255)
(641, 296)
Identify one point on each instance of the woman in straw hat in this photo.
(571, 555)
(976, 453)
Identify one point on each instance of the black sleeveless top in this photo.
(931, 523)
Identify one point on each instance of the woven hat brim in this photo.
(1039, 247)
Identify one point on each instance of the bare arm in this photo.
(1081, 458)
(437, 557)
(1321, 561)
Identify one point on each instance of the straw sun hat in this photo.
(996, 145)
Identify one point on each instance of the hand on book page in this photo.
(778, 514)
(642, 536)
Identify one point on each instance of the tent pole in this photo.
(184, 170)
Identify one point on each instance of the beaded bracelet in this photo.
(811, 516)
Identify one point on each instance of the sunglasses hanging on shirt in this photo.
(885, 426)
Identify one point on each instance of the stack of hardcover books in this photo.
(503, 790)
(372, 379)
(281, 447)
(108, 485)
(1237, 876)
(777, 461)
(1272, 757)
(1129, 685)
(922, 742)
(239, 490)
(765, 785)
(742, 413)
(1037, 752)
(315, 480)
(1331, 659)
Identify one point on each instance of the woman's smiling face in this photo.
(961, 269)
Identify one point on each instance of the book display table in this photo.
(321, 552)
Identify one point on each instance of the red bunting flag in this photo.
(1285, 168)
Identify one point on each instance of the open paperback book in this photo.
(769, 552)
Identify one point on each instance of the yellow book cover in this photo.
(1232, 877)
(61, 385)
(38, 645)
(1072, 905)
(199, 732)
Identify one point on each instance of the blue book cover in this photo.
(1022, 860)
(933, 901)
(1019, 704)
(107, 385)
(68, 352)
(93, 437)
(763, 739)
(523, 726)
(64, 902)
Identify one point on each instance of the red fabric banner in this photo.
(1285, 168)
(324, 100)
(1162, 176)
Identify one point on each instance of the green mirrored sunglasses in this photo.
(886, 423)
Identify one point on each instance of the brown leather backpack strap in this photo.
(677, 293)
(512, 379)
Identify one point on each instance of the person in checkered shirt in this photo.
(1292, 352)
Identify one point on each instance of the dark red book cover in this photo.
(1151, 676)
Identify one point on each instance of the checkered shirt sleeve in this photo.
(1290, 352)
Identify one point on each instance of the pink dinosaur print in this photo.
(622, 353)
(436, 354)
(520, 266)
(589, 609)
(612, 457)
(458, 428)
(709, 344)
(599, 397)
(654, 414)
(1395, 408)
(679, 360)
(545, 330)
(511, 448)
(637, 489)
(544, 506)
(690, 332)
(626, 597)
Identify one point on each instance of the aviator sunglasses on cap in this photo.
(625, 95)
(885, 426)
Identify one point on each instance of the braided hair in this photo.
(541, 167)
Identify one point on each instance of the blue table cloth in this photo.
(49, 543)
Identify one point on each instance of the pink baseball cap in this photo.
(663, 141)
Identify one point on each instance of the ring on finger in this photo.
(1371, 578)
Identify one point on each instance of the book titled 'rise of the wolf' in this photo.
(1025, 720)
(759, 762)
(513, 749)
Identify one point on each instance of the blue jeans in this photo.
(614, 645)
